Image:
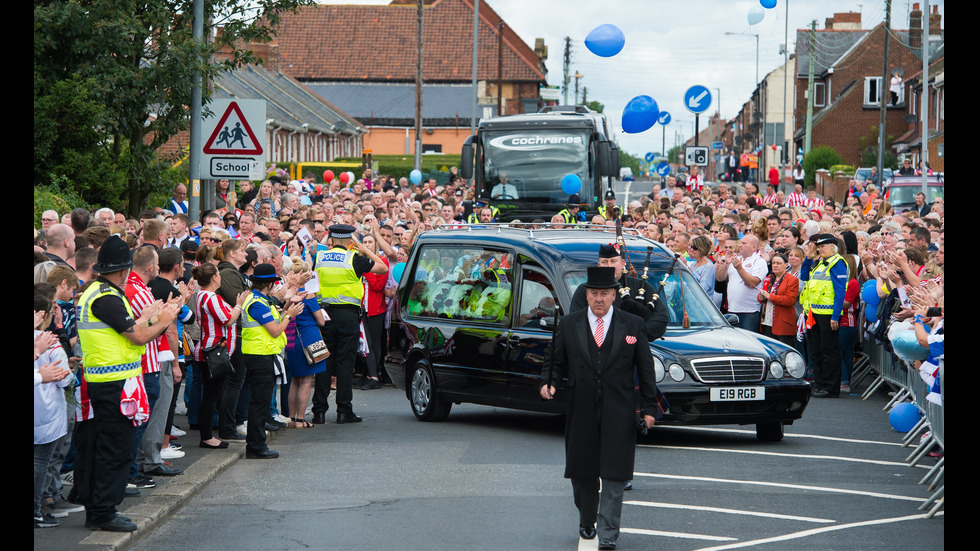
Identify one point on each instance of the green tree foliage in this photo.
(869, 151)
(819, 157)
(632, 161)
(595, 106)
(130, 64)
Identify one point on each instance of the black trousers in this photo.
(606, 508)
(825, 351)
(341, 335)
(262, 378)
(104, 454)
(229, 394)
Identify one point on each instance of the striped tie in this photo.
(598, 331)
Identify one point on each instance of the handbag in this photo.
(218, 362)
(314, 352)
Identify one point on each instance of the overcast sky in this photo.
(672, 45)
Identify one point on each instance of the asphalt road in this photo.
(492, 479)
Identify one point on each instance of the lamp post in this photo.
(577, 76)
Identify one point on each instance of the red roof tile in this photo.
(377, 43)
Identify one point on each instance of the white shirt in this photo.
(741, 297)
(606, 320)
(504, 191)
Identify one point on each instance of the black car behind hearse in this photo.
(475, 313)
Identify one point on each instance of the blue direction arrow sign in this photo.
(649, 157)
(697, 99)
(663, 168)
(664, 118)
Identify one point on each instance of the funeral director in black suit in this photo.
(597, 349)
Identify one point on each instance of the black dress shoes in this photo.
(607, 544)
(628, 486)
(220, 446)
(163, 470)
(319, 418)
(117, 524)
(264, 454)
(347, 418)
(586, 532)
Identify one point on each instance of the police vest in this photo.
(818, 294)
(106, 354)
(256, 339)
(339, 283)
(568, 217)
(604, 214)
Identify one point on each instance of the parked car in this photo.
(475, 313)
(903, 189)
(862, 175)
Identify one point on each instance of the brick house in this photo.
(848, 85)
(362, 58)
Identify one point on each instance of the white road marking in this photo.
(794, 455)
(675, 535)
(727, 511)
(784, 485)
(813, 532)
(626, 195)
(788, 435)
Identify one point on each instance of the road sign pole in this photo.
(697, 124)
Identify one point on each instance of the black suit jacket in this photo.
(600, 430)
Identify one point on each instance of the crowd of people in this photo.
(288, 285)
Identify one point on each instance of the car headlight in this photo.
(676, 372)
(795, 365)
(658, 368)
(776, 370)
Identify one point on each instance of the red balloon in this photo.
(328, 176)
(773, 147)
(344, 178)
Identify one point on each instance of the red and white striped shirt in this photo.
(796, 200)
(695, 182)
(212, 315)
(140, 297)
(816, 203)
(770, 199)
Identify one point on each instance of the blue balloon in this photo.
(904, 416)
(869, 294)
(871, 313)
(906, 346)
(415, 176)
(605, 40)
(571, 184)
(641, 114)
(768, 4)
(756, 14)
(397, 270)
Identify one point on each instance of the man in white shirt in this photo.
(744, 273)
(504, 190)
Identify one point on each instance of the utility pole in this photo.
(500, 67)
(194, 187)
(809, 87)
(881, 94)
(418, 90)
(567, 62)
(924, 97)
(476, 35)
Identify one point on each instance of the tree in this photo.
(869, 151)
(136, 60)
(823, 156)
(595, 106)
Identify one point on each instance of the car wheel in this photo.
(769, 432)
(426, 404)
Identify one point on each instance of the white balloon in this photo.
(756, 14)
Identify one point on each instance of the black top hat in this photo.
(114, 255)
(264, 272)
(602, 277)
(609, 251)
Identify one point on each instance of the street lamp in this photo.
(577, 76)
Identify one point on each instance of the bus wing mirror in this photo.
(466, 159)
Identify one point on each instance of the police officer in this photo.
(655, 320)
(112, 342)
(339, 271)
(607, 210)
(570, 213)
(824, 273)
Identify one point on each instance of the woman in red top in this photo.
(217, 321)
(778, 296)
(375, 306)
(847, 331)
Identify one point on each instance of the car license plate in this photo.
(738, 394)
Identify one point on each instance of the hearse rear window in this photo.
(469, 284)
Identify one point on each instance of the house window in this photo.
(872, 90)
(819, 94)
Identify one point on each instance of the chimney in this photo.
(915, 27)
(847, 21)
(935, 22)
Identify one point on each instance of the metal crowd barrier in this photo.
(907, 385)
